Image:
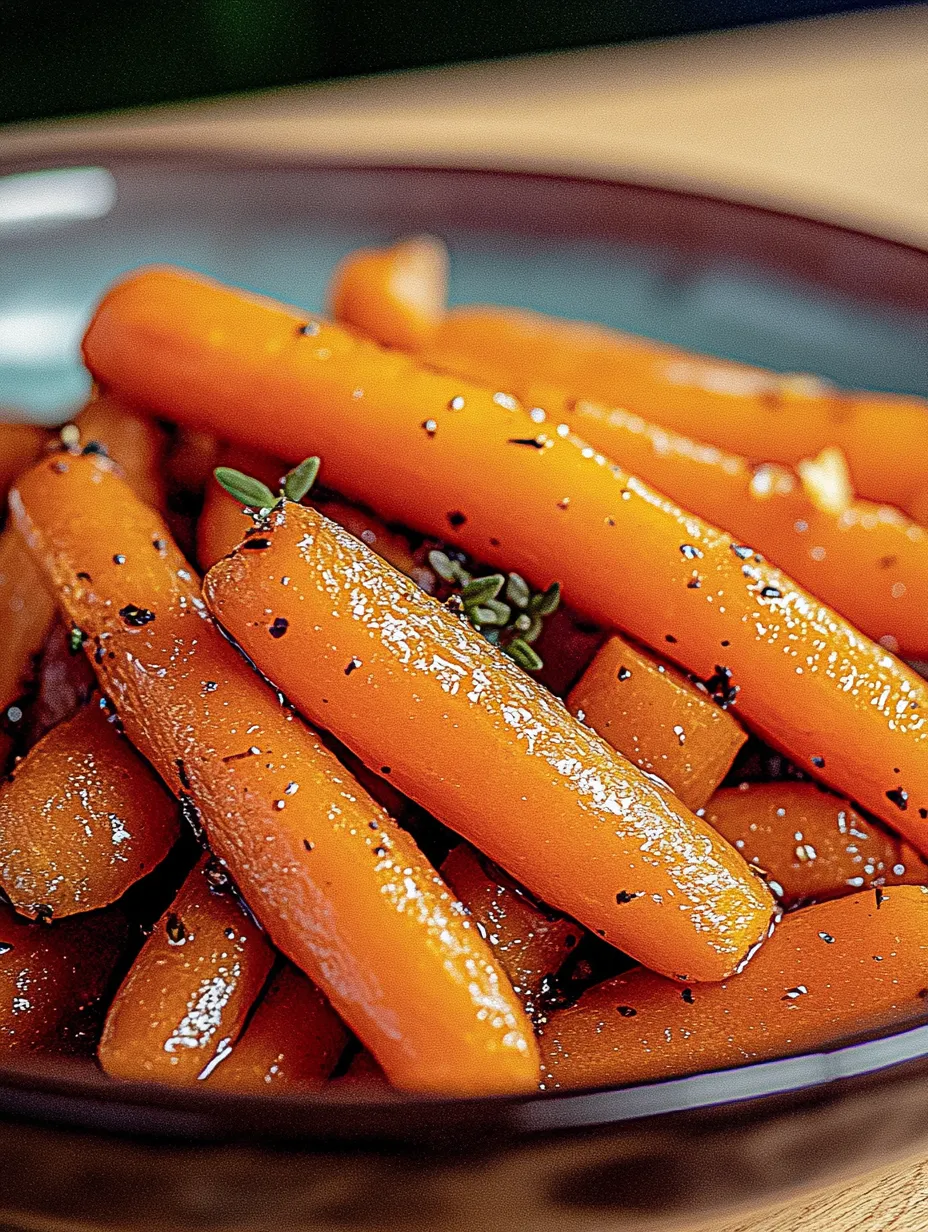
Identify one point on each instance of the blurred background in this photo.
(64, 58)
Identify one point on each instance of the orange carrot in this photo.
(659, 720)
(133, 440)
(415, 691)
(53, 979)
(838, 970)
(531, 942)
(186, 996)
(398, 292)
(82, 818)
(20, 445)
(452, 458)
(293, 1037)
(341, 889)
(812, 845)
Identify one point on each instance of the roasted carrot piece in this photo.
(27, 612)
(293, 1037)
(20, 445)
(341, 889)
(812, 845)
(531, 942)
(82, 818)
(451, 458)
(660, 721)
(397, 293)
(53, 979)
(133, 440)
(413, 690)
(835, 971)
(186, 996)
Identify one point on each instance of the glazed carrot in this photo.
(82, 818)
(530, 941)
(811, 844)
(832, 972)
(414, 690)
(64, 683)
(293, 1037)
(53, 979)
(186, 996)
(451, 458)
(660, 721)
(133, 440)
(27, 611)
(341, 889)
(190, 461)
(397, 293)
(20, 445)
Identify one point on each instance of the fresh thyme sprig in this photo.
(254, 494)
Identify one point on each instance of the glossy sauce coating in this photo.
(811, 844)
(82, 818)
(410, 686)
(530, 941)
(53, 979)
(186, 996)
(293, 1038)
(835, 971)
(343, 892)
(521, 496)
(660, 721)
(20, 446)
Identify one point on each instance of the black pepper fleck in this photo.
(535, 442)
(899, 797)
(693, 584)
(687, 995)
(136, 617)
(827, 938)
(818, 761)
(385, 770)
(624, 896)
(182, 774)
(771, 592)
(456, 519)
(742, 552)
(626, 1011)
(307, 844)
(279, 627)
(119, 559)
(624, 673)
(353, 665)
(690, 551)
(669, 637)
(174, 927)
(254, 545)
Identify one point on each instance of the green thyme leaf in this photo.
(501, 610)
(298, 481)
(522, 622)
(481, 616)
(481, 589)
(548, 602)
(442, 564)
(533, 631)
(76, 639)
(517, 591)
(523, 654)
(249, 492)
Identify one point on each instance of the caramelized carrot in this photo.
(452, 458)
(82, 818)
(133, 440)
(844, 969)
(398, 293)
(341, 889)
(293, 1037)
(64, 683)
(20, 445)
(531, 942)
(415, 691)
(186, 996)
(660, 721)
(811, 844)
(53, 979)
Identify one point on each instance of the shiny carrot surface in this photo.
(294, 1037)
(417, 693)
(829, 973)
(451, 458)
(341, 889)
(186, 996)
(811, 844)
(82, 818)
(530, 941)
(660, 721)
(53, 979)
(20, 446)
(396, 293)
(134, 441)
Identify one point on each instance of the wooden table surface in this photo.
(827, 117)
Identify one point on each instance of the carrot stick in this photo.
(293, 1038)
(186, 996)
(531, 942)
(343, 892)
(659, 720)
(397, 293)
(812, 845)
(82, 818)
(844, 969)
(53, 979)
(20, 445)
(133, 440)
(414, 690)
(509, 492)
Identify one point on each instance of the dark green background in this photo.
(61, 58)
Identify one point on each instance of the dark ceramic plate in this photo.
(77, 1152)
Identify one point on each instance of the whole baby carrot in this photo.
(458, 460)
(832, 972)
(185, 999)
(396, 293)
(82, 818)
(20, 445)
(811, 844)
(660, 721)
(417, 693)
(294, 1037)
(340, 888)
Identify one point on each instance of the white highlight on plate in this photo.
(68, 194)
(51, 335)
